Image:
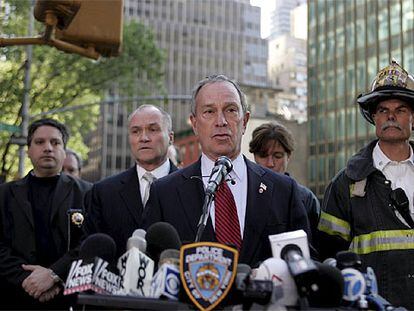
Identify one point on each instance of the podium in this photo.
(129, 302)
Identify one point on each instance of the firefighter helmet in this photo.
(391, 82)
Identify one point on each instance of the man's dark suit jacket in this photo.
(17, 234)
(178, 199)
(115, 207)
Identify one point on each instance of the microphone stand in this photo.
(208, 199)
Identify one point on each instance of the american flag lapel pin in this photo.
(262, 188)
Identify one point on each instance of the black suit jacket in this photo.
(17, 235)
(178, 199)
(114, 207)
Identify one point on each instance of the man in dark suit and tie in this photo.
(40, 221)
(116, 204)
(256, 203)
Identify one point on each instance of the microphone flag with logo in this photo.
(207, 272)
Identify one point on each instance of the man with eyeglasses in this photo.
(368, 206)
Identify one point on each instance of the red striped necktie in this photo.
(226, 220)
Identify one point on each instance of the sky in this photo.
(267, 7)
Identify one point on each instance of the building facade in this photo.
(348, 42)
(199, 38)
(281, 19)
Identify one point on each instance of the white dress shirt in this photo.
(239, 189)
(401, 174)
(159, 172)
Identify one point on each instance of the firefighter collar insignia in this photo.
(207, 272)
(262, 188)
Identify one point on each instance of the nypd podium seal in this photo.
(207, 271)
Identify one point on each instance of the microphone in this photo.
(222, 167)
(361, 289)
(285, 292)
(330, 287)
(95, 269)
(354, 288)
(161, 236)
(135, 267)
(137, 240)
(294, 249)
(166, 282)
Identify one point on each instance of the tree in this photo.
(62, 80)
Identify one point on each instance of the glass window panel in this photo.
(340, 41)
(360, 30)
(371, 29)
(361, 77)
(331, 126)
(350, 80)
(340, 160)
(331, 167)
(312, 170)
(321, 168)
(313, 130)
(312, 20)
(408, 14)
(321, 127)
(350, 31)
(340, 83)
(362, 125)
(341, 124)
(409, 58)
(321, 11)
(383, 24)
(372, 68)
(351, 123)
(395, 17)
(384, 58)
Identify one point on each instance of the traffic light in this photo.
(98, 23)
(64, 10)
(91, 28)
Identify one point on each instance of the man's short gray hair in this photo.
(213, 79)
(166, 118)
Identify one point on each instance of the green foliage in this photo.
(60, 80)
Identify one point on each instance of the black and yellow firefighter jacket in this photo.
(357, 215)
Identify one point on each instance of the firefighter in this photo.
(368, 206)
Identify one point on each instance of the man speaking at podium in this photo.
(251, 204)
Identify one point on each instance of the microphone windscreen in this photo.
(330, 262)
(98, 245)
(161, 236)
(347, 259)
(243, 268)
(330, 287)
(243, 272)
(139, 233)
(137, 242)
(170, 256)
(277, 270)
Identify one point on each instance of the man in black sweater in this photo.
(37, 230)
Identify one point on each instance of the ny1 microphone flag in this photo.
(207, 272)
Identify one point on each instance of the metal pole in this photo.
(26, 97)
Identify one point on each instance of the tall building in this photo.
(199, 38)
(287, 67)
(204, 37)
(281, 17)
(348, 42)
